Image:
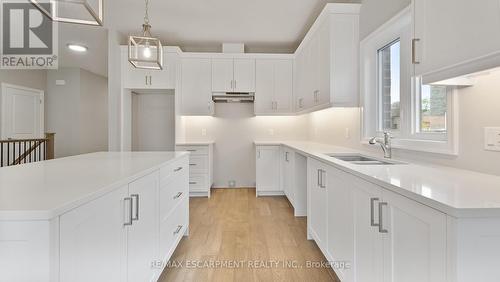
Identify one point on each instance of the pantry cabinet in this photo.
(268, 176)
(455, 37)
(196, 86)
(134, 78)
(233, 75)
(274, 87)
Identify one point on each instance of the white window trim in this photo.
(408, 137)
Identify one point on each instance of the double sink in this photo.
(360, 159)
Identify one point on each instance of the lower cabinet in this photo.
(268, 162)
(317, 202)
(129, 233)
(287, 169)
(200, 168)
(383, 236)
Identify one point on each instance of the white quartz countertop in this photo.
(456, 192)
(43, 190)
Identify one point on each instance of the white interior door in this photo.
(22, 112)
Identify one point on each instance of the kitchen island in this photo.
(108, 216)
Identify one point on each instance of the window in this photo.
(432, 109)
(389, 95)
(420, 117)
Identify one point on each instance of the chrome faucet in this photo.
(384, 143)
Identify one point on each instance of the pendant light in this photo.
(89, 12)
(145, 51)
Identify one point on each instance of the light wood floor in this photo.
(235, 226)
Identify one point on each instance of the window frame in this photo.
(408, 136)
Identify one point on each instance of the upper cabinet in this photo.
(134, 78)
(327, 61)
(455, 37)
(274, 86)
(195, 86)
(233, 75)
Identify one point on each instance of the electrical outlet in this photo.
(271, 131)
(203, 132)
(347, 133)
(492, 138)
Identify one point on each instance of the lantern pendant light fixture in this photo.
(88, 12)
(145, 51)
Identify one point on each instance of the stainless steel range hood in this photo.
(233, 97)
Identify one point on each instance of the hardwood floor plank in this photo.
(235, 236)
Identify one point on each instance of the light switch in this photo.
(492, 138)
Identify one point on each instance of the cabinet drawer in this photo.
(198, 182)
(198, 164)
(174, 227)
(194, 150)
(173, 169)
(172, 191)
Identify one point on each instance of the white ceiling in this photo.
(272, 26)
(202, 25)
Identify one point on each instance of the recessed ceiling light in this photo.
(77, 48)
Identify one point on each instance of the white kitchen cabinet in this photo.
(415, 245)
(268, 161)
(196, 86)
(287, 169)
(340, 197)
(317, 217)
(92, 237)
(327, 62)
(134, 78)
(233, 75)
(273, 86)
(455, 37)
(143, 235)
(201, 160)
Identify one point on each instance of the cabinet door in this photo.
(264, 88)
(244, 75)
(283, 86)
(143, 234)
(454, 31)
(312, 72)
(222, 75)
(301, 79)
(196, 89)
(317, 202)
(164, 79)
(368, 244)
(286, 161)
(92, 240)
(340, 221)
(132, 77)
(268, 169)
(415, 242)
(324, 64)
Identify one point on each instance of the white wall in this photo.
(76, 111)
(153, 122)
(376, 12)
(234, 129)
(93, 112)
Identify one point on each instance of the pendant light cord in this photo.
(146, 14)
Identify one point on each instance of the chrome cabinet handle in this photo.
(322, 173)
(191, 150)
(136, 197)
(129, 222)
(177, 169)
(286, 156)
(258, 154)
(178, 195)
(380, 218)
(192, 164)
(179, 227)
(414, 51)
(146, 77)
(318, 182)
(372, 212)
(192, 183)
